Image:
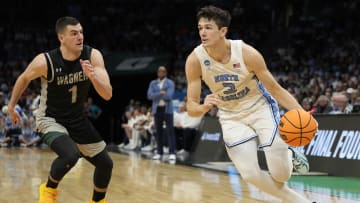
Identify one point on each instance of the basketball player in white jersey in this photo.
(246, 94)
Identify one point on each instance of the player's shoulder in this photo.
(93, 52)
(192, 58)
(91, 49)
(250, 52)
(39, 59)
(248, 47)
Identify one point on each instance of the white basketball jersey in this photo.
(238, 88)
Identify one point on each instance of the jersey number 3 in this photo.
(230, 88)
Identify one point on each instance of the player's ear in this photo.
(224, 31)
(60, 37)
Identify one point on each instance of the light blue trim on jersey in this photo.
(273, 105)
(240, 141)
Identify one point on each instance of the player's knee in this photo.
(107, 163)
(250, 175)
(280, 171)
(103, 161)
(70, 160)
(281, 175)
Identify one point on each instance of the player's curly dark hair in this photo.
(221, 17)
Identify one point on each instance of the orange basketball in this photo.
(297, 127)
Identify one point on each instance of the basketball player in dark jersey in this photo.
(66, 75)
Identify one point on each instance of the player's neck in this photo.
(221, 51)
(69, 55)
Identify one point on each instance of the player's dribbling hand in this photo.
(88, 69)
(312, 112)
(14, 116)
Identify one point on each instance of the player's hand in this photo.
(87, 68)
(211, 100)
(312, 116)
(15, 117)
(317, 124)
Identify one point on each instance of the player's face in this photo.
(209, 32)
(73, 37)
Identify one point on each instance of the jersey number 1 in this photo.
(73, 91)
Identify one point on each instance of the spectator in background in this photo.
(127, 126)
(322, 105)
(356, 105)
(4, 139)
(93, 111)
(3, 100)
(340, 104)
(30, 136)
(307, 105)
(138, 131)
(131, 105)
(177, 125)
(328, 93)
(189, 126)
(13, 132)
(160, 92)
(149, 126)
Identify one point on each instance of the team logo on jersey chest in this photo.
(207, 64)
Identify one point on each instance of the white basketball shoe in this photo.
(300, 162)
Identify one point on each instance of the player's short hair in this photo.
(221, 17)
(62, 22)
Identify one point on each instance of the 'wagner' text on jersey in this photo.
(71, 78)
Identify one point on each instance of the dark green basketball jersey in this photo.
(66, 87)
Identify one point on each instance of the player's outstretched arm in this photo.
(37, 68)
(256, 64)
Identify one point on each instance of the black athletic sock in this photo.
(97, 196)
(51, 184)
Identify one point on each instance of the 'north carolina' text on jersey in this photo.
(66, 87)
(238, 88)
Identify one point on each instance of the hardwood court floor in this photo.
(139, 180)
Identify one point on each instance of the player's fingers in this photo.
(214, 96)
(14, 122)
(84, 61)
(216, 100)
(208, 106)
